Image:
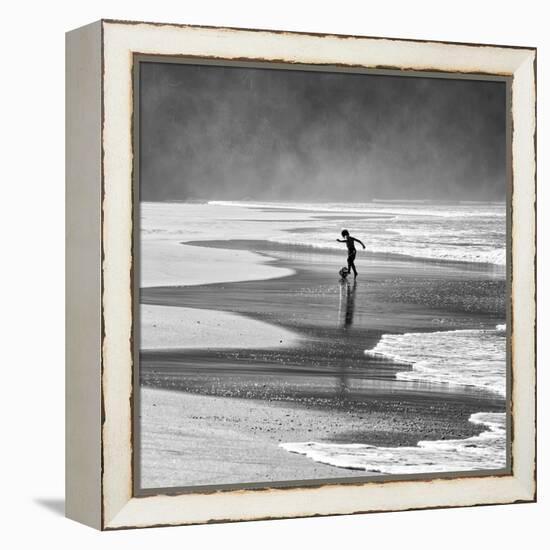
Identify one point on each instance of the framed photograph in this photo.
(300, 274)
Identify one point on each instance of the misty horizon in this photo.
(227, 133)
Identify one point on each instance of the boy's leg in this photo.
(351, 264)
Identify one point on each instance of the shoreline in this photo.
(209, 438)
(346, 396)
(466, 298)
(269, 246)
(221, 440)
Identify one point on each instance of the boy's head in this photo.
(345, 233)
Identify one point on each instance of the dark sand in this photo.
(327, 389)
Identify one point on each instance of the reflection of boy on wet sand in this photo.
(350, 243)
(347, 303)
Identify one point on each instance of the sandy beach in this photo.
(247, 344)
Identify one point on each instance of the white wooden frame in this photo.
(99, 267)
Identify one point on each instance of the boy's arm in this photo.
(341, 240)
(359, 242)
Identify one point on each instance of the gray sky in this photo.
(237, 133)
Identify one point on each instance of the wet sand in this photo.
(325, 383)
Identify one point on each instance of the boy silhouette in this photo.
(350, 243)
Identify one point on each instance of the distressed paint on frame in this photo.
(117, 428)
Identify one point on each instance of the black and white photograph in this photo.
(322, 275)
(275, 274)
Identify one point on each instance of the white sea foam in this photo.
(475, 358)
(486, 451)
(456, 232)
(384, 244)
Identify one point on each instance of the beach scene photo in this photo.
(321, 276)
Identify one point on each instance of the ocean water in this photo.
(473, 232)
(432, 356)
(461, 231)
(486, 451)
(458, 232)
